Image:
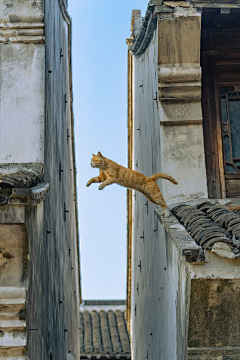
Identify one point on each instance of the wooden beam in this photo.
(181, 122)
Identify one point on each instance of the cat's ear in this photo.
(99, 154)
(93, 155)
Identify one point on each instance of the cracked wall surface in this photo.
(39, 254)
(168, 137)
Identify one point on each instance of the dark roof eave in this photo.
(143, 39)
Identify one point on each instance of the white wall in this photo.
(183, 158)
(22, 83)
(159, 290)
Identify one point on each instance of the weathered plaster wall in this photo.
(214, 315)
(214, 312)
(168, 137)
(161, 283)
(145, 111)
(146, 120)
(53, 293)
(22, 73)
(40, 261)
(158, 294)
(179, 76)
(14, 11)
(14, 254)
(182, 310)
(183, 158)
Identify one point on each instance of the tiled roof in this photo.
(210, 222)
(104, 335)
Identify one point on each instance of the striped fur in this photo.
(112, 173)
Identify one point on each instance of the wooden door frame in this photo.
(213, 66)
(219, 129)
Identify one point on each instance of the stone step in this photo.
(12, 292)
(13, 325)
(13, 333)
(7, 352)
(13, 339)
(12, 309)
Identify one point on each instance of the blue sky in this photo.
(100, 29)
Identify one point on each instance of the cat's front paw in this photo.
(88, 183)
(101, 187)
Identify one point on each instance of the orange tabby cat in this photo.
(112, 173)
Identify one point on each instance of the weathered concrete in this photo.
(179, 84)
(167, 107)
(183, 308)
(22, 103)
(13, 338)
(161, 286)
(38, 223)
(168, 137)
(14, 256)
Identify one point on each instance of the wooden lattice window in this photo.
(220, 54)
(230, 116)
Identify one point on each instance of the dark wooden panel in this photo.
(225, 44)
(229, 76)
(220, 54)
(233, 188)
(210, 129)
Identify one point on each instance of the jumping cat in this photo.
(112, 173)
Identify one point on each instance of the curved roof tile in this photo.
(87, 323)
(104, 333)
(122, 331)
(97, 342)
(117, 348)
(106, 340)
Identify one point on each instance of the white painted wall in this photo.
(183, 158)
(160, 289)
(145, 111)
(174, 150)
(216, 267)
(21, 10)
(22, 84)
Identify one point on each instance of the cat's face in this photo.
(98, 161)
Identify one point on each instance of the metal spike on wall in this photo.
(147, 206)
(60, 171)
(140, 266)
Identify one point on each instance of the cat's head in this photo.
(98, 161)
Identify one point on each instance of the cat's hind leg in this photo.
(158, 199)
(150, 199)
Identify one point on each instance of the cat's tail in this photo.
(163, 176)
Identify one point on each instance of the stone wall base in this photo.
(216, 355)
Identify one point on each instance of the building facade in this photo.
(39, 250)
(183, 83)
